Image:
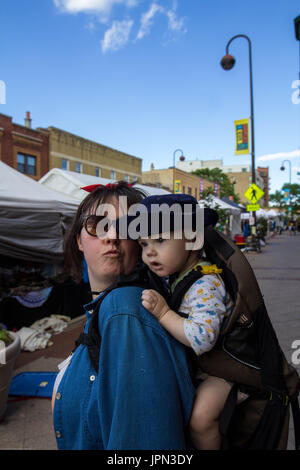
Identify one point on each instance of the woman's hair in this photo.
(73, 257)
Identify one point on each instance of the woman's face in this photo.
(107, 257)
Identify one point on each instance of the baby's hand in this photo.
(155, 303)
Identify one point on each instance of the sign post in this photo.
(253, 194)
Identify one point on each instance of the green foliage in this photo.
(215, 175)
(278, 198)
(222, 213)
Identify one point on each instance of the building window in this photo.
(26, 164)
(189, 190)
(244, 169)
(98, 172)
(126, 178)
(64, 164)
(229, 170)
(112, 175)
(183, 189)
(134, 179)
(78, 167)
(196, 193)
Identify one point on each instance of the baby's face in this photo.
(164, 256)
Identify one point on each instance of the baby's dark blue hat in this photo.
(187, 208)
(210, 215)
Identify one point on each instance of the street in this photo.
(28, 423)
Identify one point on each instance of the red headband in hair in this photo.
(110, 186)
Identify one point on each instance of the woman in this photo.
(141, 395)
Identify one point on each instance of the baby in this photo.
(205, 305)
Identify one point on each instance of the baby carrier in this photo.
(248, 354)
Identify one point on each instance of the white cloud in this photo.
(146, 19)
(280, 155)
(117, 36)
(174, 24)
(91, 6)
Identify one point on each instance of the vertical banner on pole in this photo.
(201, 187)
(177, 186)
(286, 194)
(241, 136)
(216, 188)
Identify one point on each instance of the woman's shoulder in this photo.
(130, 293)
(126, 300)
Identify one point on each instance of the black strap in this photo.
(183, 286)
(214, 239)
(83, 339)
(296, 418)
(226, 415)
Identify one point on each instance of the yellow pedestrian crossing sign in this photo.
(253, 193)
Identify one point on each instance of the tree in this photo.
(294, 201)
(279, 201)
(215, 175)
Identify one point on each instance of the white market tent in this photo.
(272, 213)
(262, 213)
(216, 202)
(70, 182)
(234, 213)
(32, 218)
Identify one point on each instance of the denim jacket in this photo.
(140, 398)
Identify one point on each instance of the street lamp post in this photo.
(227, 63)
(181, 159)
(282, 168)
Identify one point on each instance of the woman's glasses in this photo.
(96, 225)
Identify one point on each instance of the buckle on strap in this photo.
(284, 398)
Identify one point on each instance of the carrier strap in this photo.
(214, 239)
(226, 415)
(296, 418)
(183, 286)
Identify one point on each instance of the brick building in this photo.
(36, 151)
(24, 148)
(71, 152)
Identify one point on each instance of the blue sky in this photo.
(144, 76)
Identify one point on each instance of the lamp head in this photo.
(282, 168)
(227, 62)
(182, 158)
